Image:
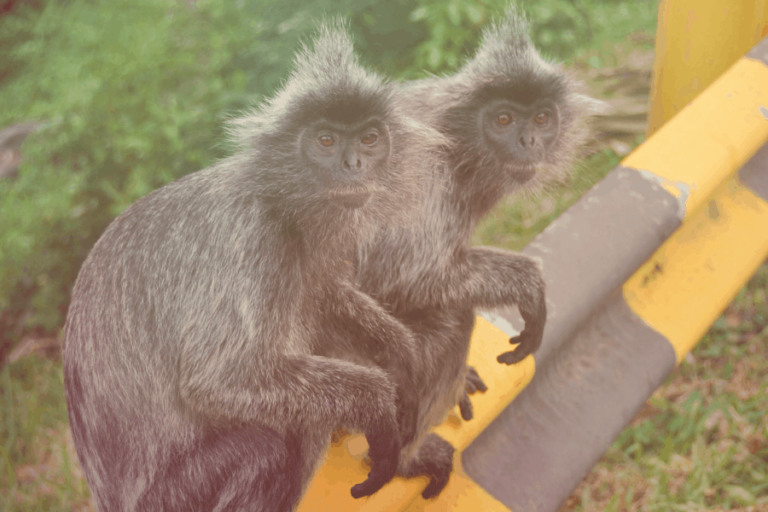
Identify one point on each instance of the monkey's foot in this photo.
(465, 407)
(473, 382)
(434, 459)
(384, 452)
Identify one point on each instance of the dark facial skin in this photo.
(520, 135)
(346, 158)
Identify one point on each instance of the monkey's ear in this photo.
(591, 105)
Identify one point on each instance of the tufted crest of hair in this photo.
(327, 82)
(507, 65)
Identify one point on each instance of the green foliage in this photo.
(128, 106)
(453, 27)
(560, 26)
(133, 94)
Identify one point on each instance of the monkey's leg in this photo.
(303, 393)
(244, 468)
(443, 336)
(135, 462)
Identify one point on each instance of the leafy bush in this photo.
(133, 93)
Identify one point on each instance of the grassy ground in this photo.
(701, 443)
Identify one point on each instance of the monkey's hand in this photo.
(472, 383)
(534, 312)
(527, 343)
(384, 452)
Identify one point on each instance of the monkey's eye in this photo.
(541, 118)
(504, 119)
(325, 140)
(369, 138)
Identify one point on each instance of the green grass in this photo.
(38, 466)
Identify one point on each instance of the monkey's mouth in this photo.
(353, 196)
(523, 174)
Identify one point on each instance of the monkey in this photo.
(514, 122)
(198, 345)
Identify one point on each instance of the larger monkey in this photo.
(514, 120)
(196, 346)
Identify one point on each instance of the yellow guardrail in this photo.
(719, 100)
(712, 138)
(695, 274)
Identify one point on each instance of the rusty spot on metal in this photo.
(657, 269)
(713, 212)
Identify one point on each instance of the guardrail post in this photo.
(696, 41)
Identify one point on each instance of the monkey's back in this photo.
(192, 269)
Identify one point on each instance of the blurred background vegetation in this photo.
(132, 94)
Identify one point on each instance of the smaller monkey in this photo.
(514, 122)
(199, 346)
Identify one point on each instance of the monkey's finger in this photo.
(526, 342)
(366, 488)
(474, 379)
(465, 408)
(512, 357)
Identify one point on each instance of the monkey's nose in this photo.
(348, 167)
(527, 141)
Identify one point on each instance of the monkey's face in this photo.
(347, 159)
(519, 136)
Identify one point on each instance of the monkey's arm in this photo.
(501, 278)
(297, 393)
(487, 277)
(379, 335)
(383, 336)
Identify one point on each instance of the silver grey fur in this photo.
(426, 274)
(197, 349)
